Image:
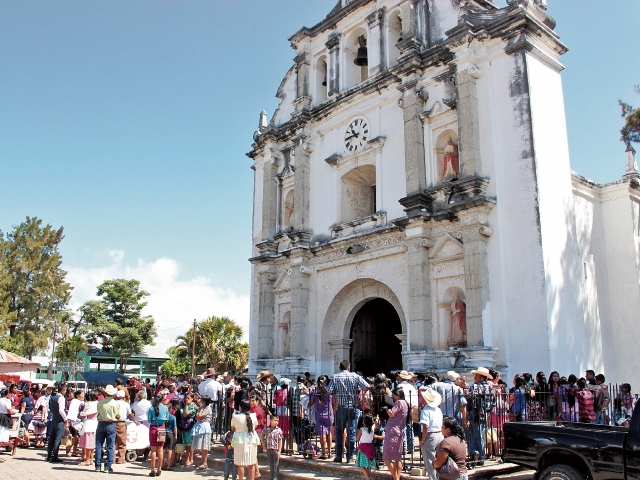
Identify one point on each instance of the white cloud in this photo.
(173, 303)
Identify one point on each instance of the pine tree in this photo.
(33, 292)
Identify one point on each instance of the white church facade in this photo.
(414, 206)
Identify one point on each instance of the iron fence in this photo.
(315, 426)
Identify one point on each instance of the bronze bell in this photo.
(361, 58)
(324, 80)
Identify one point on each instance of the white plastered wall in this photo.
(621, 244)
(575, 342)
(516, 274)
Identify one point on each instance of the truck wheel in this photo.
(131, 456)
(560, 472)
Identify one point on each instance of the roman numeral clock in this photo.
(356, 135)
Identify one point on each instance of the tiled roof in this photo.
(8, 357)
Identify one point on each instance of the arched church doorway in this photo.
(375, 347)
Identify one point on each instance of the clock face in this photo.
(357, 135)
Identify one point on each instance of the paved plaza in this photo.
(31, 463)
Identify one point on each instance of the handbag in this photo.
(161, 434)
(186, 424)
(449, 471)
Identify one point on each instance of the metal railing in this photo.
(314, 427)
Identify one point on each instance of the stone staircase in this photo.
(298, 468)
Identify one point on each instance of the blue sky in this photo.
(127, 123)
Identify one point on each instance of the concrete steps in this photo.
(298, 468)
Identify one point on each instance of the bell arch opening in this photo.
(375, 347)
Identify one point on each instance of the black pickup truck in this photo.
(572, 451)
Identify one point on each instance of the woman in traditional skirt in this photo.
(158, 416)
(393, 434)
(186, 427)
(202, 431)
(89, 415)
(245, 441)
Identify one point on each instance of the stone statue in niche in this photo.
(285, 331)
(458, 330)
(451, 164)
(289, 208)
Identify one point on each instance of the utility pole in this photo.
(193, 350)
(53, 350)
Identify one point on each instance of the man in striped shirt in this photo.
(346, 386)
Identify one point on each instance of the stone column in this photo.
(269, 197)
(301, 183)
(341, 350)
(266, 314)
(299, 310)
(333, 64)
(468, 121)
(403, 342)
(419, 282)
(376, 41)
(303, 67)
(414, 165)
(476, 273)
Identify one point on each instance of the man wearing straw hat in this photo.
(481, 404)
(431, 424)
(454, 403)
(108, 414)
(263, 385)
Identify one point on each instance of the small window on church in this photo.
(358, 197)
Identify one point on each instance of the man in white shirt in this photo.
(213, 389)
(411, 397)
(431, 423)
(121, 426)
(454, 402)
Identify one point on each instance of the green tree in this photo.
(630, 132)
(116, 322)
(68, 349)
(175, 366)
(33, 292)
(218, 344)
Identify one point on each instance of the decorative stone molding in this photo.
(333, 159)
(461, 359)
(417, 204)
(333, 41)
(374, 18)
(358, 225)
(486, 231)
(300, 238)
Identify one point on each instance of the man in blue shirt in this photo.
(346, 387)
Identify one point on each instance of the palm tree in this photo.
(218, 344)
(69, 349)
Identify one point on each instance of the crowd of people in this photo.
(361, 420)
